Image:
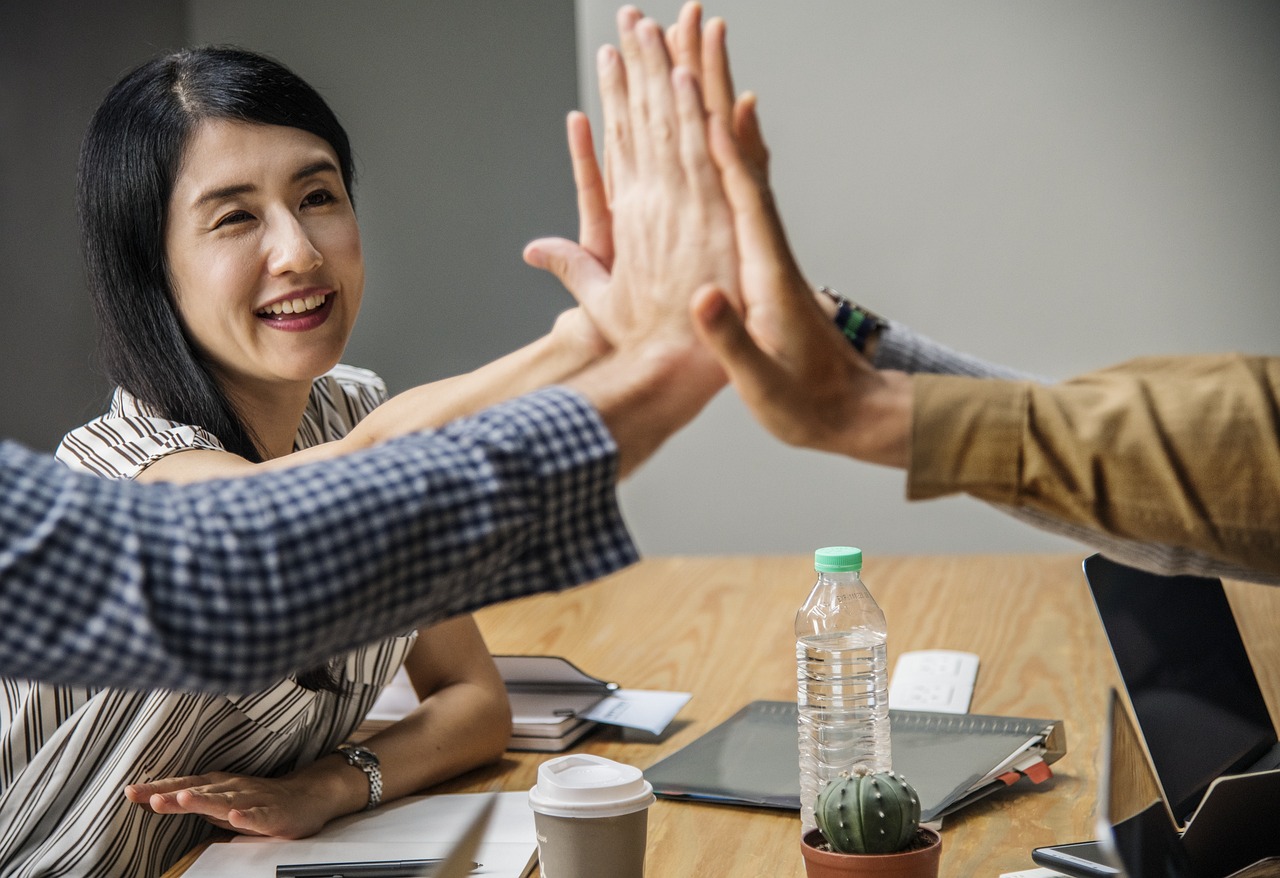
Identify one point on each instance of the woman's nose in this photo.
(291, 249)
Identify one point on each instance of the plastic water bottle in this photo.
(842, 677)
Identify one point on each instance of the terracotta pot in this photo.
(917, 863)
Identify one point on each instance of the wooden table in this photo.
(721, 628)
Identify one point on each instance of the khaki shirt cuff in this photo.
(966, 436)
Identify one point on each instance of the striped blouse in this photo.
(66, 752)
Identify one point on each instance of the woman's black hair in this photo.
(129, 162)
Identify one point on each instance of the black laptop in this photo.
(1198, 706)
(1137, 837)
(1136, 833)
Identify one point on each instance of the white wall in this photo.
(1057, 186)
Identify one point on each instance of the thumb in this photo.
(721, 329)
(572, 265)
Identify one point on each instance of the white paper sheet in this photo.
(416, 827)
(647, 709)
(650, 710)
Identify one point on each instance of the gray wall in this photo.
(1057, 186)
(57, 59)
(456, 113)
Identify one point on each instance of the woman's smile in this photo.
(298, 313)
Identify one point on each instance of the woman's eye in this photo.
(317, 198)
(233, 218)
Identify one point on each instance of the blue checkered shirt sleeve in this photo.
(230, 584)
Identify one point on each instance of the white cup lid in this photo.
(585, 785)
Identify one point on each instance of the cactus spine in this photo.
(868, 813)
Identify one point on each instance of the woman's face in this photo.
(263, 253)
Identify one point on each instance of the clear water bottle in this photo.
(842, 677)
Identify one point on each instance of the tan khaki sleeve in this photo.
(966, 436)
(1183, 451)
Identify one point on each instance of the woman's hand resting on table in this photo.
(284, 807)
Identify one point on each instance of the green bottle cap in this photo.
(837, 559)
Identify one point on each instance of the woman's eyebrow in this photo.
(311, 169)
(322, 166)
(222, 193)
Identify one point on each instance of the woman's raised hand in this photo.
(703, 50)
(659, 202)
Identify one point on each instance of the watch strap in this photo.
(858, 324)
(367, 761)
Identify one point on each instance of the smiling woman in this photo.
(226, 271)
(137, 147)
(223, 322)
(265, 265)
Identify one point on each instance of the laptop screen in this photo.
(1188, 676)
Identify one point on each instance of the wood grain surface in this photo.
(721, 628)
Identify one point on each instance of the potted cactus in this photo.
(869, 824)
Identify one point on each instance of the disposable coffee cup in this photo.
(591, 815)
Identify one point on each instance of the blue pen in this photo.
(378, 869)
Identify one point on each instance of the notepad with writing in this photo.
(951, 759)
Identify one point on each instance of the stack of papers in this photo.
(553, 703)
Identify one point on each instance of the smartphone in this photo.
(1082, 859)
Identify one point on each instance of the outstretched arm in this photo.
(572, 345)
(1127, 459)
(219, 585)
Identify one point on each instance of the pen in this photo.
(375, 869)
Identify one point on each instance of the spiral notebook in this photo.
(951, 759)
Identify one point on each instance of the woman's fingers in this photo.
(629, 71)
(684, 39)
(141, 793)
(573, 265)
(655, 127)
(619, 159)
(694, 157)
(717, 83)
(207, 801)
(595, 222)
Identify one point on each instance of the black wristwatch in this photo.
(367, 761)
(859, 325)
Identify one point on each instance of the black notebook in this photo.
(951, 759)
